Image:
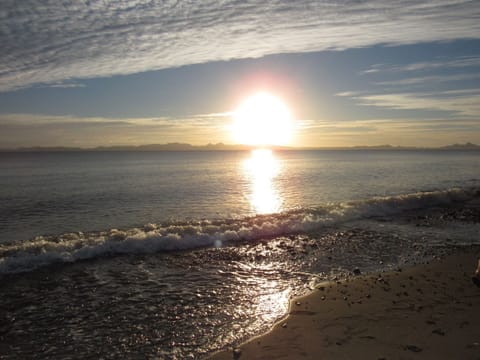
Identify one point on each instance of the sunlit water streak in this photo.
(262, 169)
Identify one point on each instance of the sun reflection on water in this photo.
(261, 168)
(273, 305)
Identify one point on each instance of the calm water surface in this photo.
(53, 193)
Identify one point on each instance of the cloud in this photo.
(461, 102)
(403, 132)
(18, 130)
(50, 42)
(66, 85)
(444, 63)
(445, 85)
(41, 130)
(422, 80)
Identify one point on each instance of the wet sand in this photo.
(429, 311)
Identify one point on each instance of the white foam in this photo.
(71, 247)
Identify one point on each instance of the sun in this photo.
(262, 120)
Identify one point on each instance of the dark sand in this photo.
(428, 311)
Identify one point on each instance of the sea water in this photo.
(178, 254)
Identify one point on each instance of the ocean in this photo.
(174, 255)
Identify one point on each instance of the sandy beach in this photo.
(429, 311)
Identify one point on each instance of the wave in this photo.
(70, 247)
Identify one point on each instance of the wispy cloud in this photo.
(430, 80)
(443, 63)
(460, 102)
(445, 84)
(65, 85)
(404, 132)
(50, 42)
(45, 130)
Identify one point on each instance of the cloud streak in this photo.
(50, 42)
(447, 84)
(463, 103)
(403, 132)
(18, 130)
(27, 130)
(460, 62)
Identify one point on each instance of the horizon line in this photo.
(176, 146)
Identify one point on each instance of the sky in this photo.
(100, 73)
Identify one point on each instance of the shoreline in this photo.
(427, 311)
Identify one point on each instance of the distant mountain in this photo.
(225, 147)
(149, 147)
(173, 147)
(466, 146)
(45, 149)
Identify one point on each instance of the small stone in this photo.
(323, 297)
(237, 353)
(413, 348)
(284, 325)
(356, 271)
(298, 303)
(438, 332)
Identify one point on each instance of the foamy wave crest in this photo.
(71, 247)
(380, 206)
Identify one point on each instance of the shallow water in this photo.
(186, 304)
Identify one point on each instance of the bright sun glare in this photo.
(262, 120)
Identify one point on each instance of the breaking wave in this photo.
(70, 247)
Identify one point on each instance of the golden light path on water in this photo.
(271, 297)
(261, 169)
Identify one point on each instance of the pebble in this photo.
(356, 271)
(237, 353)
(413, 348)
